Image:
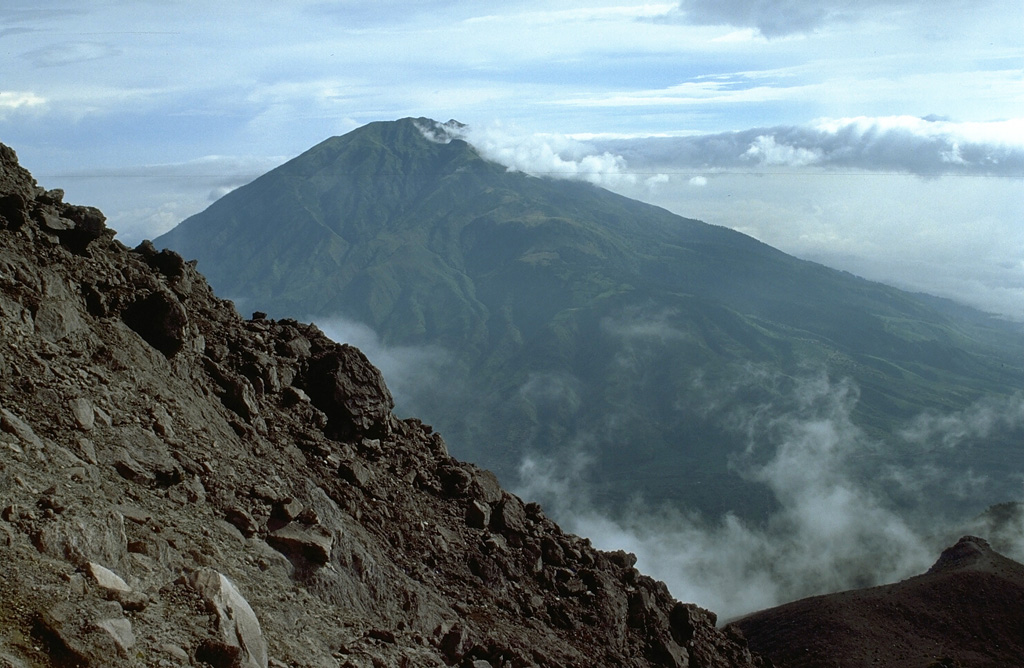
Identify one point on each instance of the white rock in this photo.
(235, 618)
(85, 416)
(120, 631)
(107, 579)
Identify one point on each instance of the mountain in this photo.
(569, 322)
(179, 486)
(967, 611)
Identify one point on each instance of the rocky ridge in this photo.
(966, 611)
(180, 486)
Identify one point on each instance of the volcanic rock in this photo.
(966, 611)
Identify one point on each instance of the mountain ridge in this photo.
(531, 283)
(964, 611)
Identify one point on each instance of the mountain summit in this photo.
(568, 320)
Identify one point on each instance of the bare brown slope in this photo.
(179, 486)
(966, 611)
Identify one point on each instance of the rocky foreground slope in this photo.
(179, 486)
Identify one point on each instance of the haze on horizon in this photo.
(882, 137)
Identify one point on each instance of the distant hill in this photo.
(576, 320)
(967, 611)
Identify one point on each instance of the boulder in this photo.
(342, 383)
(12, 424)
(478, 515)
(95, 635)
(160, 320)
(310, 543)
(236, 621)
(106, 578)
(509, 516)
(83, 413)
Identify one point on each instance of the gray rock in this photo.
(510, 516)
(294, 540)
(84, 536)
(95, 635)
(236, 621)
(106, 578)
(294, 395)
(355, 473)
(53, 222)
(55, 320)
(478, 515)
(351, 391)
(485, 486)
(238, 393)
(242, 521)
(83, 413)
(163, 424)
(120, 631)
(12, 424)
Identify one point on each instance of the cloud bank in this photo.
(778, 18)
(927, 147)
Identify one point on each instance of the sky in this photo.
(883, 137)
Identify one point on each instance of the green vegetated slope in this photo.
(576, 320)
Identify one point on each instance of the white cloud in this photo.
(831, 531)
(906, 144)
(766, 151)
(697, 181)
(837, 524)
(554, 156)
(977, 422)
(18, 100)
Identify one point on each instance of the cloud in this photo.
(636, 324)
(766, 151)
(926, 147)
(554, 156)
(985, 417)
(779, 18)
(836, 525)
(69, 53)
(545, 155)
(16, 100)
(902, 144)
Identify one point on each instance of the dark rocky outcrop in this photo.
(966, 611)
(184, 487)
